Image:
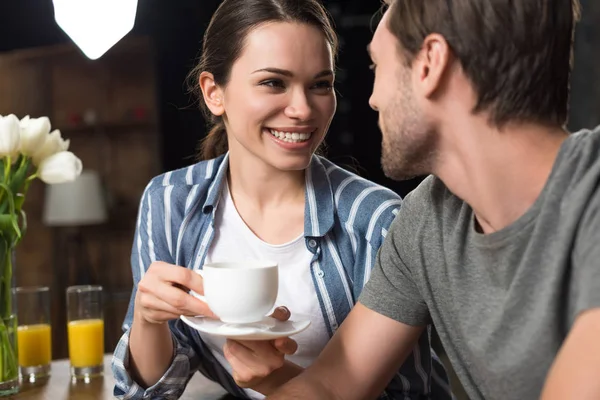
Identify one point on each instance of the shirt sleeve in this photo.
(150, 244)
(367, 249)
(170, 386)
(391, 290)
(586, 260)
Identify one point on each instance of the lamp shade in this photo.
(95, 25)
(77, 203)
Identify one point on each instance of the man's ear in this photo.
(431, 64)
(212, 93)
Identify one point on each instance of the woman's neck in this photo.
(269, 201)
(252, 180)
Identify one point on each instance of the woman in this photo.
(266, 79)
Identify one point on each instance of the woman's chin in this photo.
(290, 162)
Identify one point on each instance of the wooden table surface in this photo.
(59, 386)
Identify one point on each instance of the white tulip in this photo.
(34, 132)
(10, 136)
(60, 167)
(54, 143)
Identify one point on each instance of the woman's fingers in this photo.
(183, 302)
(155, 310)
(180, 276)
(153, 303)
(163, 293)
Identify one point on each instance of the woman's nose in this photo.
(299, 107)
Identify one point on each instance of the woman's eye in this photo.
(326, 85)
(274, 83)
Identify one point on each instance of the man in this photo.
(500, 247)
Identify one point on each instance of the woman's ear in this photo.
(212, 93)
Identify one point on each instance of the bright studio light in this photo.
(95, 25)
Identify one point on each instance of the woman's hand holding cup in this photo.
(162, 294)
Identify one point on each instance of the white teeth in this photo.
(292, 137)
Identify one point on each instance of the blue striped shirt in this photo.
(346, 220)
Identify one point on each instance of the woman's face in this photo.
(279, 100)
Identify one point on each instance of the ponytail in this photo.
(214, 144)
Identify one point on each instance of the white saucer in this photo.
(267, 329)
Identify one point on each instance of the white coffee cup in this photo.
(240, 292)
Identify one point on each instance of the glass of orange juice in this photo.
(34, 333)
(85, 328)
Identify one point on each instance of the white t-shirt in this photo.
(296, 289)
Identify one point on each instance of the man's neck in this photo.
(499, 173)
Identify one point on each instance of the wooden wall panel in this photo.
(22, 88)
(120, 90)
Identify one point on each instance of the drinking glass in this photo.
(34, 332)
(85, 326)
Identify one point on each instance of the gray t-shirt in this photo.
(504, 302)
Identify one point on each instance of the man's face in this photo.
(408, 137)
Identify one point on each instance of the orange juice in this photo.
(86, 342)
(34, 345)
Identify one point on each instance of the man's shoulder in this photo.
(431, 193)
(430, 206)
(574, 183)
(579, 155)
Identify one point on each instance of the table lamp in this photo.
(70, 206)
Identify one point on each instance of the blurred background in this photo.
(129, 117)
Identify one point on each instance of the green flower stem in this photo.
(7, 165)
(6, 168)
(18, 182)
(9, 362)
(20, 196)
(5, 281)
(14, 184)
(8, 357)
(4, 344)
(32, 177)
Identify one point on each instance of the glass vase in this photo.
(9, 361)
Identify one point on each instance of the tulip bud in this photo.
(60, 167)
(10, 136)
(54, 143)
(34, 132)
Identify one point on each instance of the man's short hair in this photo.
(517, 53)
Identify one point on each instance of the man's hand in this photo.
(575, 373)
(358, 361)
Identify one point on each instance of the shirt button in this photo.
(312, 243)
(320, 274)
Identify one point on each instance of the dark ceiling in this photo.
(176, 28)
